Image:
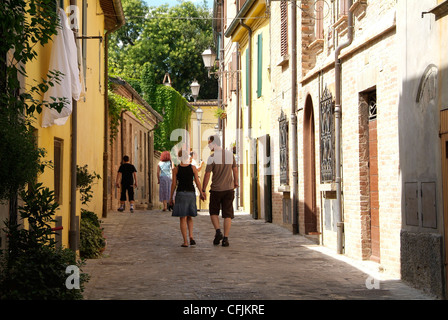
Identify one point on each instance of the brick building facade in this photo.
(337, 126)
(135, 138)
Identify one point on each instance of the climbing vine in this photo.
(167, 102)
(118, 104)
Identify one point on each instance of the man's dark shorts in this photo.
(222, 200)
(130, 190)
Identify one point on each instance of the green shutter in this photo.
(247, 77)
(259, 65)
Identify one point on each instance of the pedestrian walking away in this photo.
(224, 181)
(127, 180)
(164, 174)
(198, 164)
(185, 202)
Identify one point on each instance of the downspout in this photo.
(238, 133)
(295, 182)
(338, 116)
(245, 26)
(73, 234)
(252, 150)
(121, 22)
(222, 68)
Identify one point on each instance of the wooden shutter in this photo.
(284, 28)
(343, 8)
(319, 9)
(247, 76)
(57, 168)
(233, 67)
(259, 64)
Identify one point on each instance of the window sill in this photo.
(359, 8)
(284, 60)
(341, 25)
(316, 46)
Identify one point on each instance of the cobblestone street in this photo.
(144, 261)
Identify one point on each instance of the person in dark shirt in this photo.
(127, 174)
(185, 201)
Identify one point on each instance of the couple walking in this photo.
(224, 180)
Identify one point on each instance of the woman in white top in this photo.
(164, 174)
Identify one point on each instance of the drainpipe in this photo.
(338, 116)
(222, 67)
(238, 133)
(245, 26)
(121, 22)
(106, 126)
(73, 234)
(253, 188)
(295, 182)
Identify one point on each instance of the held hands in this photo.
(203, 196)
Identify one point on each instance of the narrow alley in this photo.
(144, 261)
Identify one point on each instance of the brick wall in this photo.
(369, 63)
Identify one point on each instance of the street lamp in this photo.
(195, 86)
(209, 59)
(199, 114)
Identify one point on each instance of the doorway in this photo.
(309, 168)
(264, 178)
(373, 179)
(444, 149)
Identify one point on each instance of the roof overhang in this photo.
(113, 14)
(216, 22)
(140, 100)
(249, 13)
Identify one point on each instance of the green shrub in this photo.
(33, 267)
(40, 274)
(92, 241)
(91, 216)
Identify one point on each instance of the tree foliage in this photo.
(170, 39)
(32, 267)
(24, 25)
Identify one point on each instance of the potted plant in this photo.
(220, 113)
(233, 146)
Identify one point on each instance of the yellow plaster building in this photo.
(245, 51)
(82, 140)
(198, 134)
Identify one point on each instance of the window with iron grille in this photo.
(283, 127)
(327, 161)
(371, 100)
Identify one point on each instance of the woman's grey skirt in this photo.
(185, 204)
(164, 188)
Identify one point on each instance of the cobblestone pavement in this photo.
(144, 261)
